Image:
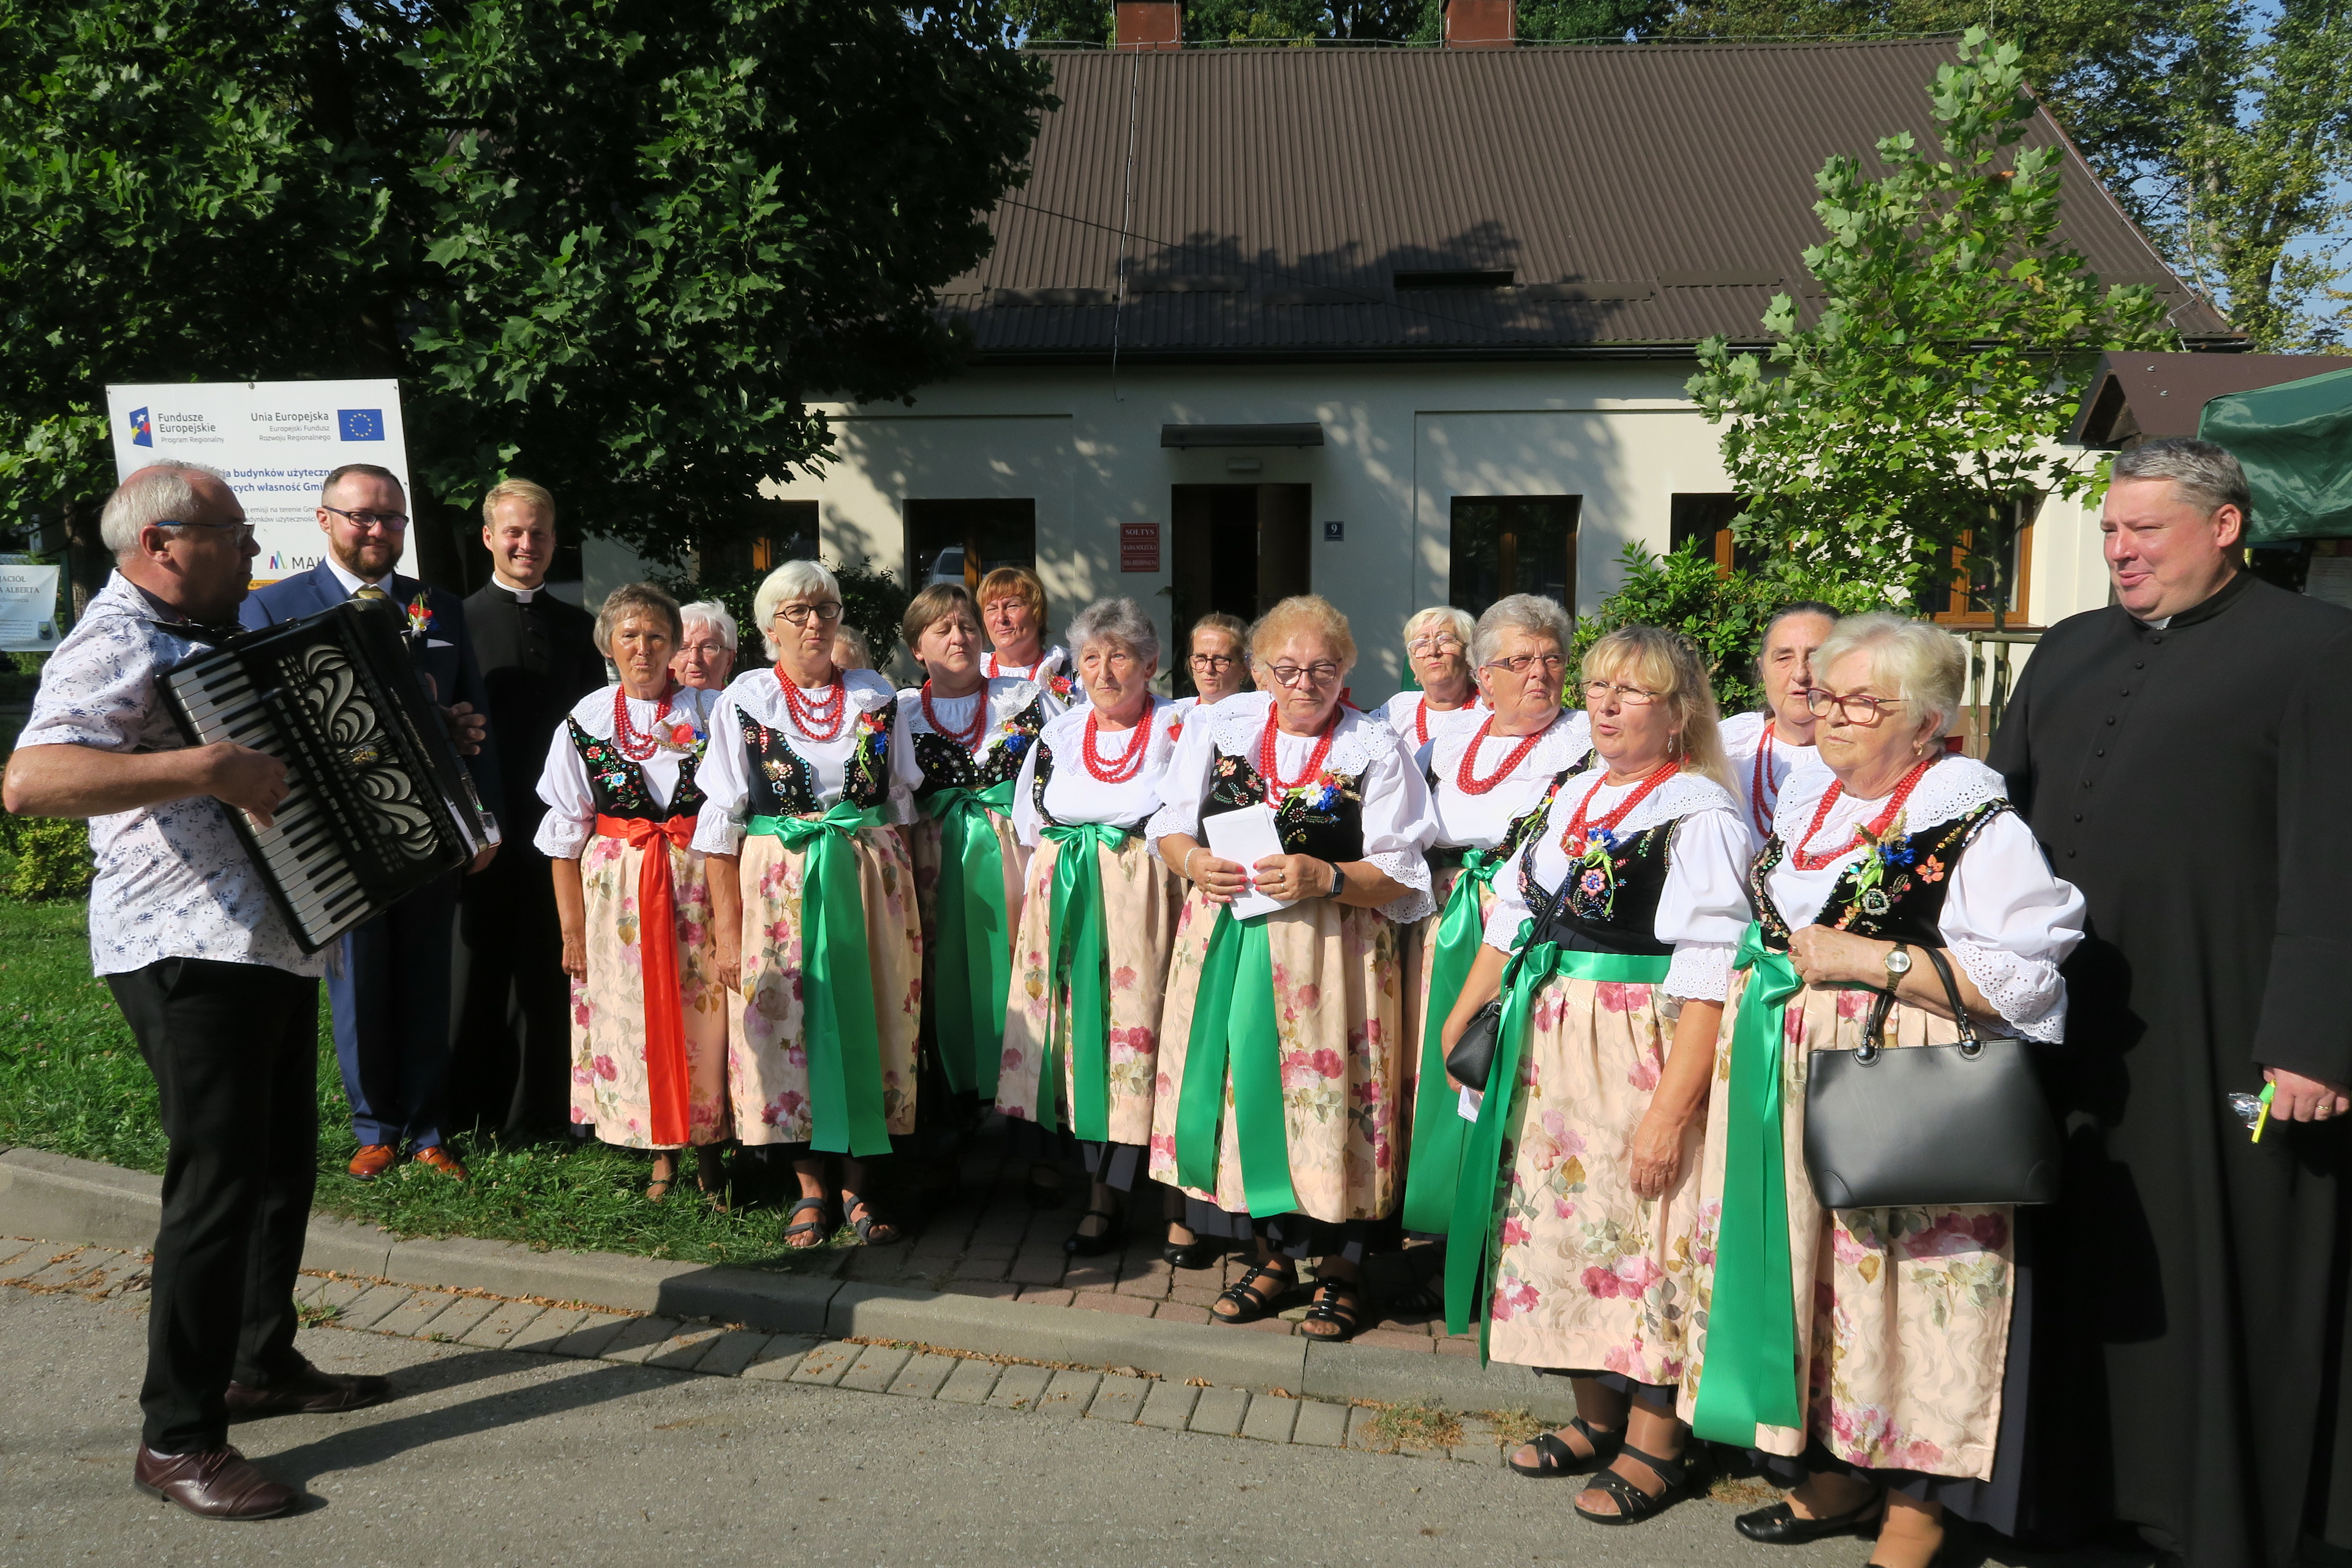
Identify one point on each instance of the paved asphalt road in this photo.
(494, 1458)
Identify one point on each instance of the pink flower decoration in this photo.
(1123, 978)
(1011, 1062)
(1852, 1004)
(1621, 998)
(1956, 1234)
(1514, 1232)
(1328, 1063)
(1645, 1074)
(1308, 996)
(606, 1070)
(1562, 1209)
(1513, 1297)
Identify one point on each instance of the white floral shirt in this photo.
(173, 880)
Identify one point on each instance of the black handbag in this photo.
(1471, 1062)
(1940, 1125)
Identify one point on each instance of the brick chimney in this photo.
(1477, 24)
(1151, 25)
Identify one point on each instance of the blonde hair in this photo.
(1670, 665)
(1927, 665)
(523, 491)
(639, 596)
(861, 656)
(1305, 612)
(793, 579)
(1453, 618)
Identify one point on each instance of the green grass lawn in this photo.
(71, 1081)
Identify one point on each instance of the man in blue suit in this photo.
(390, 991)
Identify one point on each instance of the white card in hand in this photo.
(1245, 838)
(1467, 1106)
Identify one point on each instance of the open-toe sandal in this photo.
(1555, 1458)
(1078, 1243)
(1338, 1303)
(873, 1230)
(817, 1229)
(1633, 1504)
(1247, 1303)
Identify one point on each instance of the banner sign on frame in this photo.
(28, 607)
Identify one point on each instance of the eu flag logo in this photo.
(360, 424)
(143, 434)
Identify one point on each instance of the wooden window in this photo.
(760, 537)
(1967, 599)
(948, 539)
(1705, 516)
(1512, 544)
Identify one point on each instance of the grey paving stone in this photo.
(32, 1259)
(11, 1248)
(924, 1375)
(639, 1340)
(1021, 1387)
(1359, 1427)
(1270, 1418)
(1321, 1424)
(596, 1331)
(457, 1320)
(373, 1305)
(873, 1371)
(779, 1357)
(1069, 1393)
(506, 1320)
(1120, 1398)
(733, 1351)
(1169, 1405)
(1478, 1446)
(541, 1335)
(825, 1364)
(341, 1293)
(1219, 1410)
(73, 1264)
(970, 1382)
(684, 1351)
(410, 1318)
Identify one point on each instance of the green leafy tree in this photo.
(1902, 430)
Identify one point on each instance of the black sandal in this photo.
(1077, 1244)
(820, 1228)
(1250, 1305)
(1555, 1458)
(850, 1204)
(1346, 1319)
(1633, 1504)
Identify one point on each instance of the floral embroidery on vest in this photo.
(1895, 892)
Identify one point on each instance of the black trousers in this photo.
(235, 1051)
(510, 1029)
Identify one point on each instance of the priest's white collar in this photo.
(522, 595)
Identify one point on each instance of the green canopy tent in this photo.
(2295, 441)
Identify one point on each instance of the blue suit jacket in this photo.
(448, 656)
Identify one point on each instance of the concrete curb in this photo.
(53, 1198)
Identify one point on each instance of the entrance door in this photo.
(1237, 549)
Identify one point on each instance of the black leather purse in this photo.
(1471, 1062)
(1942, 1125)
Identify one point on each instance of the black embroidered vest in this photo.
(1905, 905)
(1329, 826)
(617, 784)
(945, 764)
(1614, 910)
(784, 784)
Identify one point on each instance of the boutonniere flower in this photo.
(420, 613)
(1062, 685)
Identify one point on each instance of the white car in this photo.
(946, 567)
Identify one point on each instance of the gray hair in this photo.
(1529, 612)
(2204, 474)
(793, 580)
(1120, 621)
(713, 614)
(159, 494)
(1926, 664)
(1453, 618)
(633, 598)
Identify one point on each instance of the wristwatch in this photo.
(1898, 964)
(1338, 881)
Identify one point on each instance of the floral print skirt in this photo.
(1339, 1013)
(1901, 1314)
(609, 1089)
(1140, 898)
(767, 1058)
(1592, 1277)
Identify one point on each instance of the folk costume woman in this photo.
(1082, 1039)
(1437, 651)
(1281, 1050)
(970, 735)
(1489, 783)
(1898, 1389)
(1619, 914)
(1764, 748)
(648, 1013)
(1013, 611)
(705, 658)
(808, 778)
(1219, 662)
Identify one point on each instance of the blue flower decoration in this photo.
(1593, 882)
(1898, 852)
(1600, 836)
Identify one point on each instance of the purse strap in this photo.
(1875, 1031)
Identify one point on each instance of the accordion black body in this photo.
(378, 802)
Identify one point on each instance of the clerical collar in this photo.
(353, 583)
(2205, 609)
(521, 595)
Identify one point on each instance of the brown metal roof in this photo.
(1639, 197)
(2147, 397)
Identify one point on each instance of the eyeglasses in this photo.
(1630, 696)
(370, 518)
(1322, 674)
(1520, 663)
(827, 612)
(1437, 646)
(244, 530)
(1214, 662)
(1865, 711)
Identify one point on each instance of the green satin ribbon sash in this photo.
(1474, 1241)
(1077, 924)
(838, 1030)
(1234, 1020)
(1435, 1158)
(1749, 1378)
(973, 969)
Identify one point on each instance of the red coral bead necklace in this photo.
(1805, 861)
(1580, 826)
(969, 737)
(1127, 764)
(828, 710)
(1465, 777)
(638, 745)
(1270, 769)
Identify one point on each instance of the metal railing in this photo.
(1991, 678)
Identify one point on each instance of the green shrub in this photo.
(49, 858)
(1684, 592)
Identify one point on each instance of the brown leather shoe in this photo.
(372, 1161)
(216, 1483)
(441, 1160)
(309, 1392)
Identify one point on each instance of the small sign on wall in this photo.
(1335, 534)
(1138, 547)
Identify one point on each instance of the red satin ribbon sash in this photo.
(666, 1075)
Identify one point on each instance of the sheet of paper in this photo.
(1467, 1106)
(1247, 836)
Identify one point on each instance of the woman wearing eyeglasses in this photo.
(1280, 1050)
(808, 776)
(1489, 783)
(1573, 1225)
(1437, 649)
(1903, 1393)
(1764, 748)
(1219, 662)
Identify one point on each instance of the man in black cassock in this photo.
(513, 1028)
(2185, 758)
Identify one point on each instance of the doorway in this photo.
(1238, 549)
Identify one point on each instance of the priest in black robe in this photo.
(2185, 758)
(512, 1064)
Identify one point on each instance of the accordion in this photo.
(377, 802)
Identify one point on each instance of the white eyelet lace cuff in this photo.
(2026, 992)
(1700, 972)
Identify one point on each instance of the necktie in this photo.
(370, 591)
